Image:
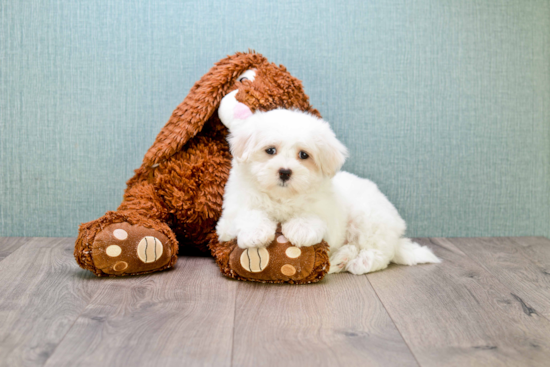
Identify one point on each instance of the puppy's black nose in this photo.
(284, 174)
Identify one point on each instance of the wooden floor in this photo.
(487, 304)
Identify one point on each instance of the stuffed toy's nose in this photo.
(231, 111)
(241, 111)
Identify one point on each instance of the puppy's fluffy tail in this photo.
(411, 253)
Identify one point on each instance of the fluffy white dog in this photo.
(285, 169)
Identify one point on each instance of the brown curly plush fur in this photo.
(178, 190)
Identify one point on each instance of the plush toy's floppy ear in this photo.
(202, 101)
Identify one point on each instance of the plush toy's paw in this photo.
(304, 231)
(124, 249)
(255, 237)
(279, 262)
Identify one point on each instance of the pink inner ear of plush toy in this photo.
(241, 111)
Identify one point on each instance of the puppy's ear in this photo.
(332, 153)
(242, 142)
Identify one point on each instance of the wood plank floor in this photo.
(487, 304)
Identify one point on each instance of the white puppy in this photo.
(285, 170)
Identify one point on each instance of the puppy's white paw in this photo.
(303, 232)
(367, 261)
(361, 264)
(223, 230)
(254, 229)
(260, 236)
(224, 237)
(341, 258)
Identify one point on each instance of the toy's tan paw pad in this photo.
(149, 249)
(113, 251)
(120, 234)
(288, 270)
(120, 266)
(293, 252)
(255, 260)
(122, 248)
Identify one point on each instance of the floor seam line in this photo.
(233, 331)
(393, 322)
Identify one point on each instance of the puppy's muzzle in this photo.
(284, 174)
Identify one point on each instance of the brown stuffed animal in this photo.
(176, 195)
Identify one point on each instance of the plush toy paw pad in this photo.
(255, 260)
(120, 266)
(122, 248)
(288, 270)
(120, 234)
(113, 251)
(293, 252)
(149, 249)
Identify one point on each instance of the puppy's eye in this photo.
(243, 79)
(271, 151)
(303, 155)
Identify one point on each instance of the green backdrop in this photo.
(444, 103)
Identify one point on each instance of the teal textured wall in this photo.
(445, 104)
